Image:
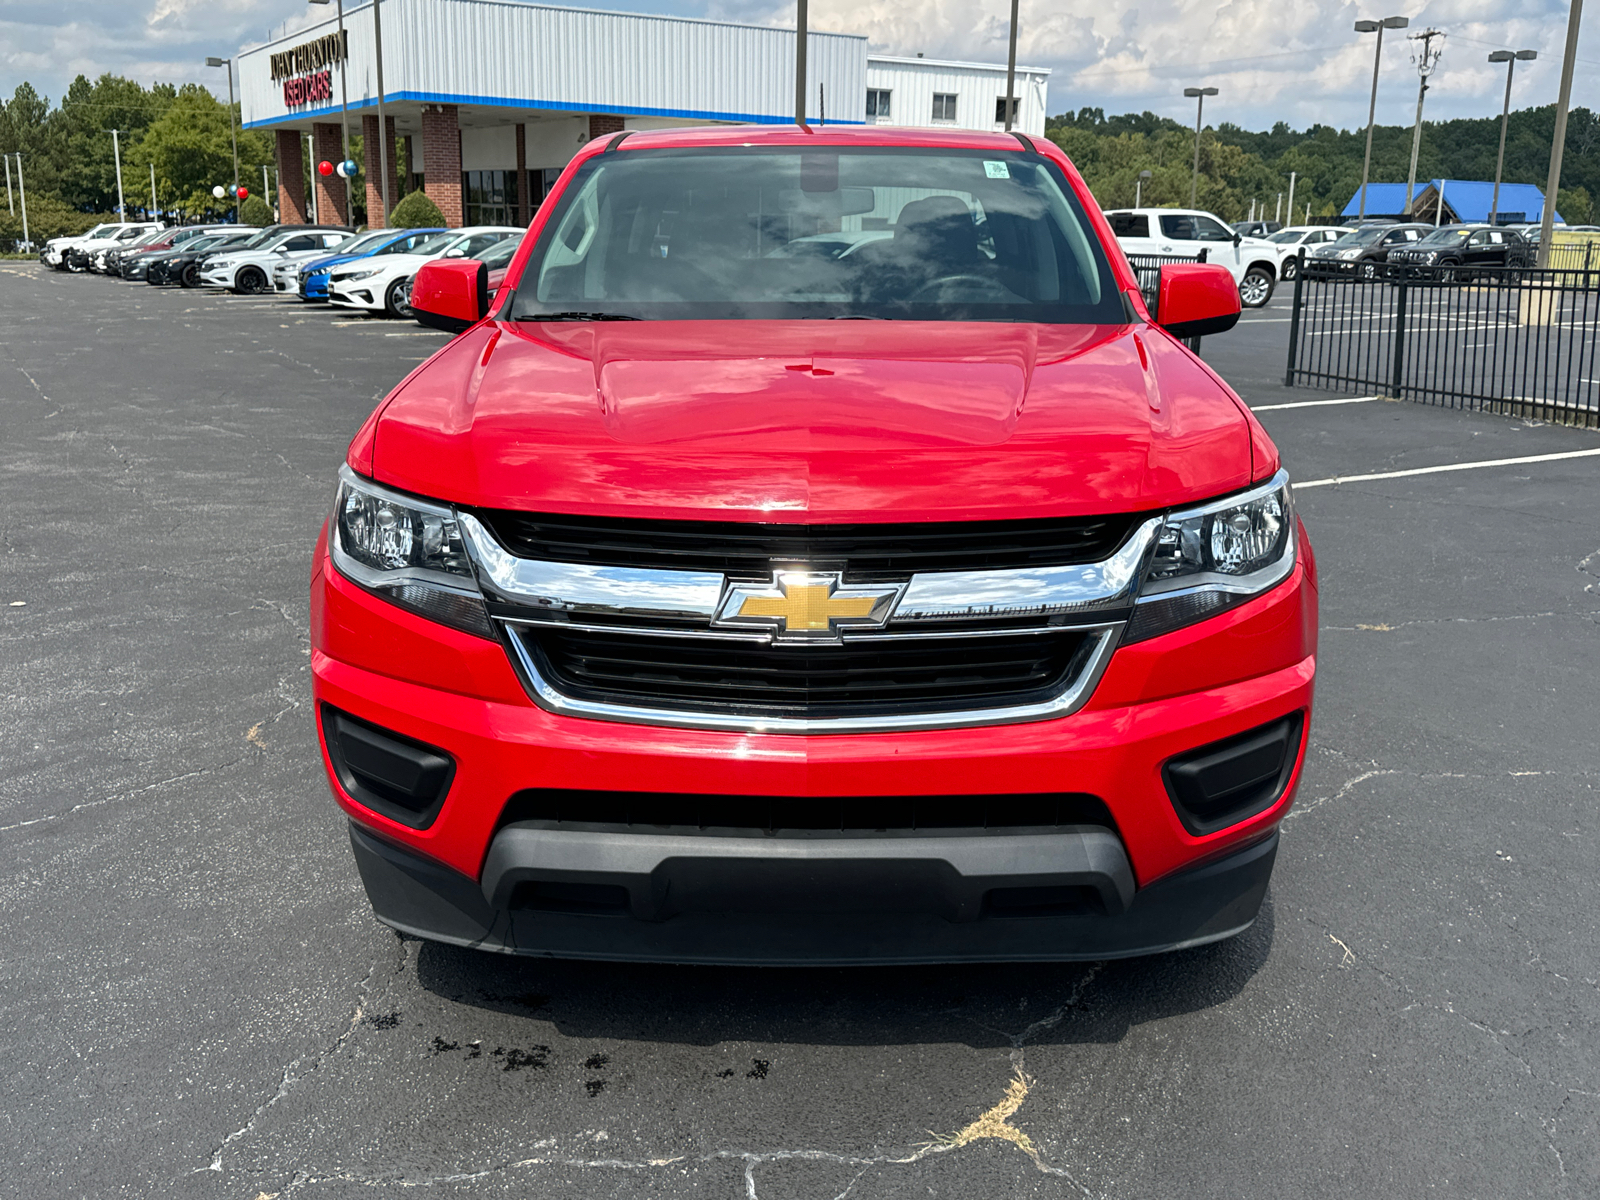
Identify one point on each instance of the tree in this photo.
(416, 211)
(192, 149)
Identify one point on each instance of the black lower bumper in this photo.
(837, 901)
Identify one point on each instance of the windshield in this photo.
(437, 243)
(1287, 235)
(711, 234)
(1445, 237)
(205, 243)
(500, 253)
(155, 235)
(104, 231)
(261, 239)
(1363, 237)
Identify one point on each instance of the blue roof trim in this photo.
(621, 110)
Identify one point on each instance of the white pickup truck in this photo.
(1185, 232)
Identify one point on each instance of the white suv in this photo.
(1185, 232)
(102, 237)
(1289, 241)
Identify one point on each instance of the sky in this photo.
(1297, 61)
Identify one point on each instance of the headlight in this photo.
(219, 264)
(1431, 256)
(355, 275)
(1211, 558)
(406, 551)
(1347, 255)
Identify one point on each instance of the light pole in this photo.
(1558, 142)
(1138, 188)
(1292, 175)
(11, 204)
(1509, 57)
(21, 191)
(801, 33)
(1199, 96)
(383, 125)
(228, 62)
(116, 154)
(1372, 108)
(153, 206)
(344, 109)
(1426, 59)
(1011, 68)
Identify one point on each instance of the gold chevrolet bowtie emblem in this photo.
(806, 606)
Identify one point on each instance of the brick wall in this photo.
(327, 146)
(441, 160)
(291, 179)
(601, 124)
(369, 152)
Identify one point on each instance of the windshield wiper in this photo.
(577, 316)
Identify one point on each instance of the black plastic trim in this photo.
(362, 754)
(1225, 782)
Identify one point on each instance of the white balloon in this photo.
(219, 191)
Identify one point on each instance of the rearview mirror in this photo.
(1195, 300)
(453, 294)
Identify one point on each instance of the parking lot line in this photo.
(1468, 466)
(1315, 403)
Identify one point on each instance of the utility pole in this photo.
(1198, 95)
(1278, 212)
(1291, 198)
(22, 192)
(1559, 140)
(1426, 58)
(11, 205)
(1011, 68)
(153, 205)
(1138, 187)
(801, 33)
(1509, 57)
(116, 153)
(384, 147)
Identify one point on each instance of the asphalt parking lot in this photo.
(198, 1002)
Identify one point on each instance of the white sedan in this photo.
(384, 284)
(249, 271)
(1288, 241)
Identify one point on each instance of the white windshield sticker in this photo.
(996, 170)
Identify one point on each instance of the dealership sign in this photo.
(306, 69)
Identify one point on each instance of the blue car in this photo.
(309, 280)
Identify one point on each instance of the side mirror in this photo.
(453, 294)
(1194, 300)
(1237, 238)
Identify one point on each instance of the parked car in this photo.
(309, 280)
(496, 262)
(1453, 251)
(247, 270)
(668, 612)
(136, 266)
(76, 255)
(1290, 241)
(54, 252)
(182, 263)
(1253, 262)
(1256, 229)
(385, 286)
(109, 261)
(1364, 251)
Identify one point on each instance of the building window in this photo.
(877, 104)
(489, 197)
(1000, 109)
(944, 106)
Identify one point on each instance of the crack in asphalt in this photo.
(88, 804)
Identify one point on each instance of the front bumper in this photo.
(794, 924)
(1157, 699)
(353, 295)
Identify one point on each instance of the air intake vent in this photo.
(1232, 780)
(403, 779)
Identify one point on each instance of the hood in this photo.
(813, 421)
(330, 260)
(404, 261)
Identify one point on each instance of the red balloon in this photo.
(243, 192)
(324, 167)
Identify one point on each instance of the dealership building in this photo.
(491, 98)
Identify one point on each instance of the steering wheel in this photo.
(944, 281)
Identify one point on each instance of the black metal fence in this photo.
(1500, 339)
(1148, 268)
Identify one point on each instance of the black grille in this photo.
(853, 679)
(865, 552)
(628, 812)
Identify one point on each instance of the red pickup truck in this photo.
(816, 550)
